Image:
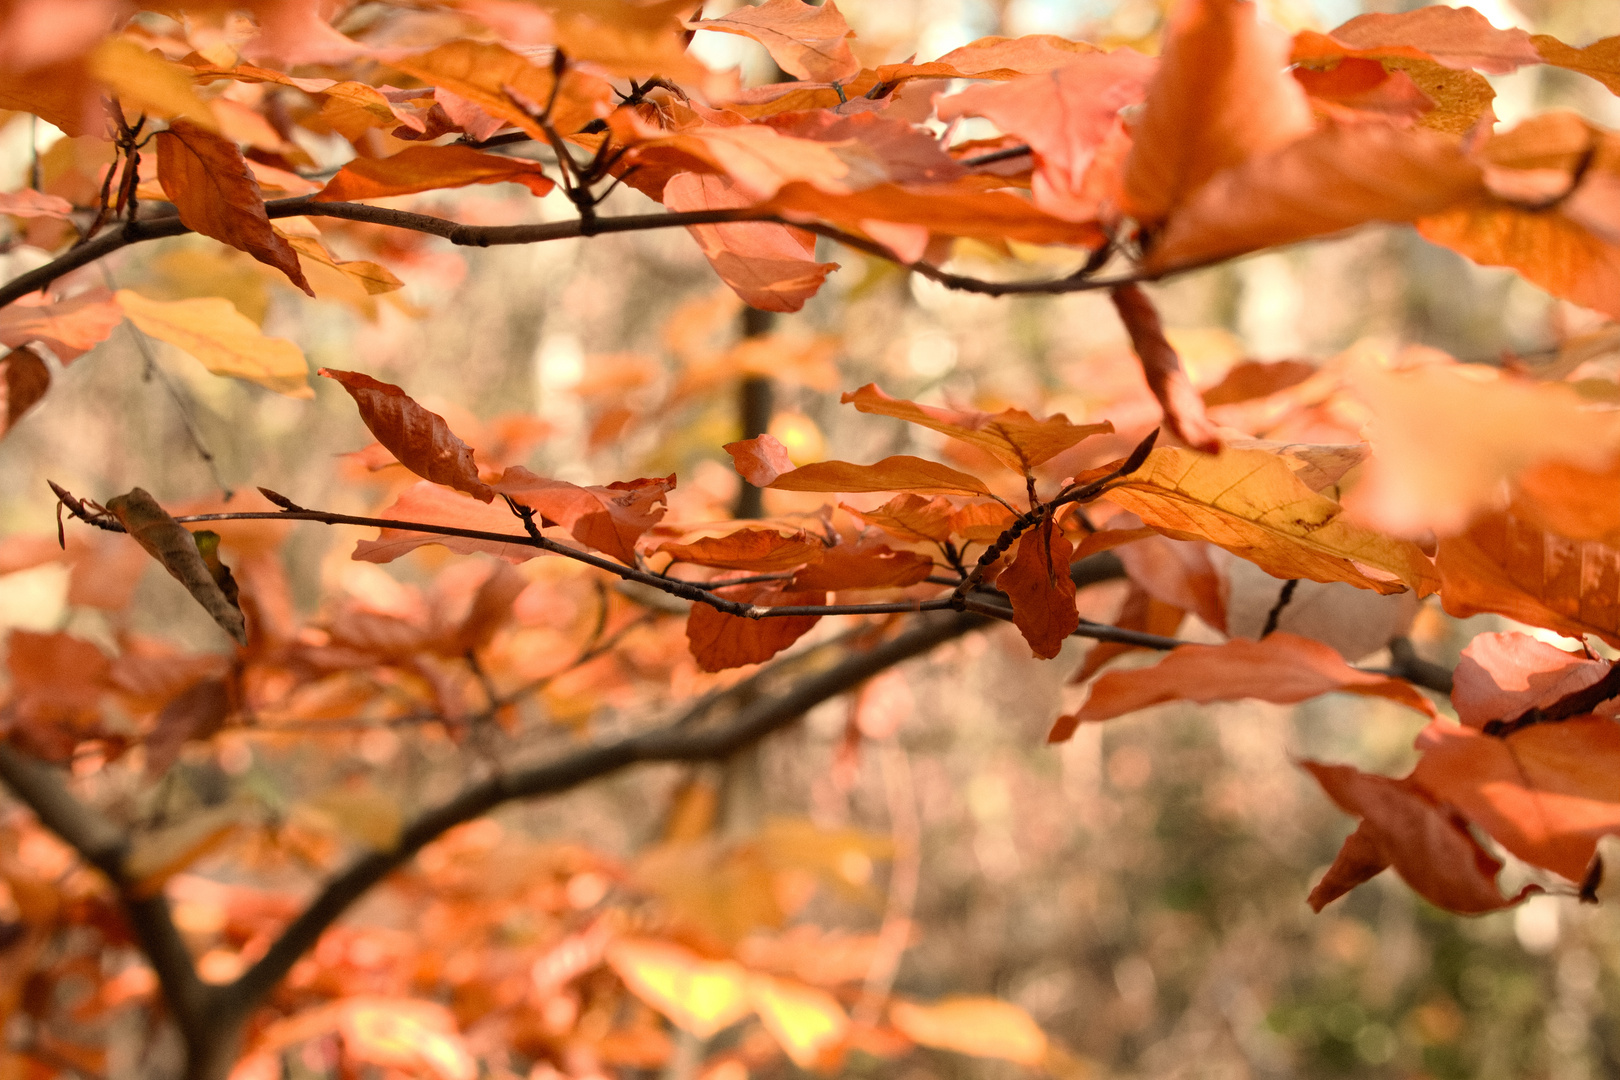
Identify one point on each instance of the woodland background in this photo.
(1140, 889)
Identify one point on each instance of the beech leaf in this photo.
(167, 541)
(222, 339)
(1014, 437)
(760, 551)
(1501, 676)
(806, 41)
(1161, 367)
(1037, 583)
(899, 473)
(212, 188)
(25, 382)
(719, 641)
(417, 437)
(429, 168)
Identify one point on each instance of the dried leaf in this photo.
(900, 473)
(222, 339)
(1501, 676)
(761, 460)
(1428, 845)
(1456, 37)
(26, 381)
(1280, 667)
(433, 504)
(1358, 861)
(610, 519)
(144, 81)
(195, 713)
(863, 566)
(1014, 437)
(760, 551)
(981, 1026)
(806, 41)
(1599, 60)
(500, 81)
(69, 328)
(720, 641)
(28, 203)
(167, 541)
(417, 437)
(429, 168)
(1037, 583)
(1161, 367)
(910, 517)
(212, 188)
(1250, 503)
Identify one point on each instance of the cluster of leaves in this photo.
(1491, 488)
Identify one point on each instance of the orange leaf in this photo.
(427, 168)
(764, 263)
(418, 438)
(1335, 178)
(1139, 612)
(1428, 845)
(1042, 593)
(1599, 60)
(807, 42)
(1359, 860)
(899, 473)
(961, 208)
(69, 328)
(719, 641)
(209, 182)
(1183, 408)
(1507, 565)
(807, 1022)
(981, 1026)
(1221, 96)
(1280, 668)
(910, 517)
(760, 460)
(1501, 676)
(435, 505)
(1065, 115)
(501, 82)
(863, 566)
(997, 58)
(25, 381)
(1547, 792)
(1456, 37)
(758, 550)
(1251, 379)
(1014, 437)
(1177, 573)
(701, 996)
(31, 204)
(610, 519)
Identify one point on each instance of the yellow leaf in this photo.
(807, 1022)
(146, 83)
(700, 996)
(1252, 504)
(981, 1026)
(405, 1033)
(222, 339)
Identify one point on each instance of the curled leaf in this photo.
(1183, 408)
(167, 541)
(418, 437)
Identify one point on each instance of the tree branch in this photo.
(157, 228)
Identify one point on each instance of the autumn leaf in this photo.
(1222, 95)
(761, 551)
(1014, 437)
(500, 82)
(69, 328)
(157, 856)
(608, 518)
(806, 1021)
(29, 203)
(766, 264)
(806, 41)
(222, 339)
(1280, 668)
(144, 81)
(981, 1026)
(899, 473)
(417, 437)
(1502, 676)
(1546, 792)
(863, 566)
(701, 996)
(209, 182)
(998, 58)
(491, 609)
(194, 713)
(1456, 37)
(759, 460)
(910, 517)
(435, 504)
(167, 541)
(1402, 826)
(430, 168)
(1161, 367)
(1037, 583)
(720, 641)
(25, 382)
(1066, 115)
(1250, 503)
(1599, 60)
(1507, 565)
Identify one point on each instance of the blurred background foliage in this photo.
(1141, 889)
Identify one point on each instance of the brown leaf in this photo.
(910, 517)
(719, 641)
(1221, 96)
(56, 685)
(1358, 861)
(761, 460)
(863, 566)
(1251, 379)
(996, 58)
(1014, 437)
(1280, 668)
(209, 182)
(491, 609)
(1427, 844)
(195, 713)
(899, 473)
(760, 551)
(1037, 583)
(1546, 792)
(500, 82)
(806, 41)
(429, 168)
(26, 381)
(1501, 676)
(418, 438)
(766, 264)
(433, 504)
(610, 519)
(1183, 408)
(167, 541)
(1177, 573)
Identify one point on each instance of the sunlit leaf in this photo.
(981, 1026)
(701, 996)
(222, 339)
(1014, 437)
